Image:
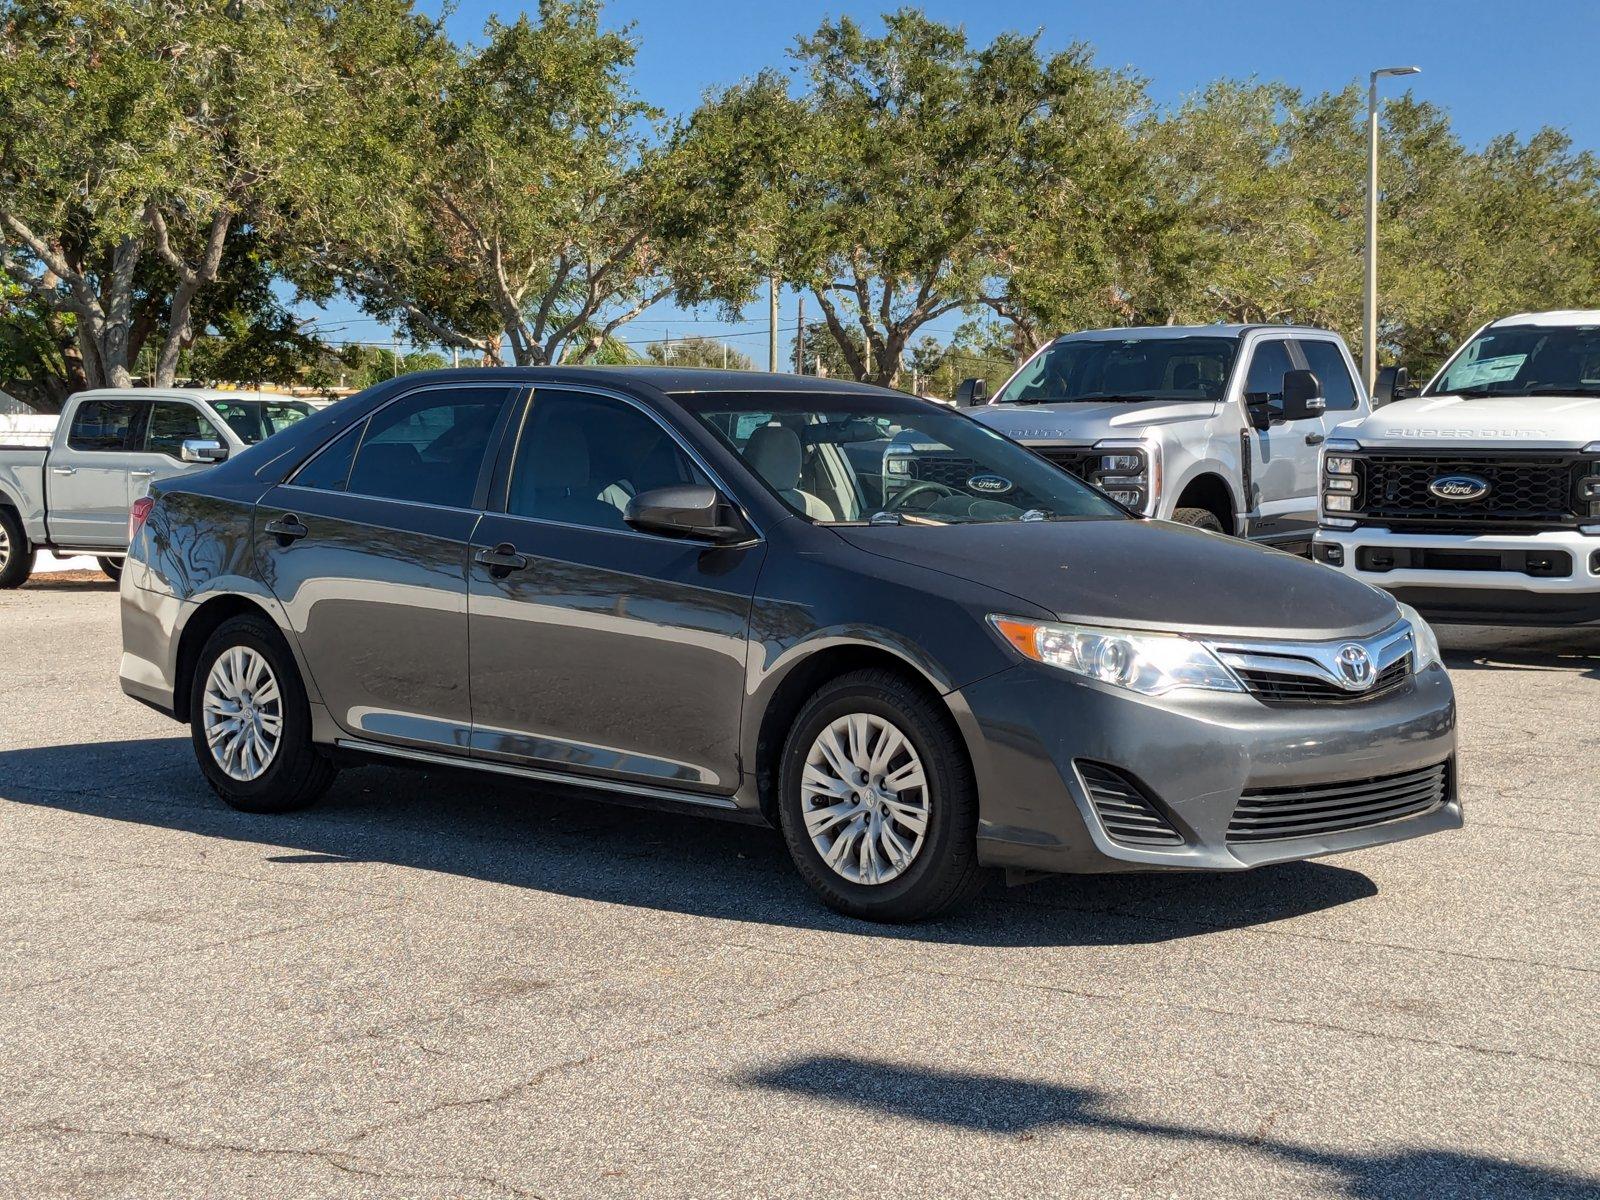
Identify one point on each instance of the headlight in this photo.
(1340, 464)
(1424, 640)
(1129, 471)
(1151, 663)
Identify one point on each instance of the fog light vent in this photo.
(1125, 812)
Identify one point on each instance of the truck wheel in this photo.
(1200, 518)
(250, 722)
(877, 801)
(111, 568)
(16, 552)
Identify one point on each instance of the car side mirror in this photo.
(972, 392)
(688, 510)
(1302, 396)
(202, 450)
(1393, 383)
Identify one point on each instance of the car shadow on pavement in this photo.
(503, 832)
(1021, 1108)
(1496, 648)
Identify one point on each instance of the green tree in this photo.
(696, 351)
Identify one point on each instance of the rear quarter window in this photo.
(103, 425)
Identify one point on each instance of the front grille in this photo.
(1074, 460)
(950, 470)
(1277, 687)
(1527, 491)
(1125, 812)
(1273, 814)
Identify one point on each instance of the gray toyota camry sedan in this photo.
(714, 590)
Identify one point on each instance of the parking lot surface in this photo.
(438, 985)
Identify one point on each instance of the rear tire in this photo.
(111, 568)
(16, 551)
(1200, 518)
(919, 875)
(254, 705)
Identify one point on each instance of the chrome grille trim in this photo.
(1307, 672)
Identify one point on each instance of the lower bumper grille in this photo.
(1125, 812)
(1273, 814)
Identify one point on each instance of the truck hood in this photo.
(1142, 575)
(1088, 422)
(1531, 422)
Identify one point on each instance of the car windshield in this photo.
(257, 420)
(842, 460)
(1525, 360)
(1084, 370)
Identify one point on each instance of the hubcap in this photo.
(243, 713)
(5, 547)
(864, 797)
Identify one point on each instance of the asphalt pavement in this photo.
(435, 985)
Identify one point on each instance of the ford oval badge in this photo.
(1459, 487)
(993, 485)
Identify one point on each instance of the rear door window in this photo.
(428, 447)
(104, 425)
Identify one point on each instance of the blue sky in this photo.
(1495, 66)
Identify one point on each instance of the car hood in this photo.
(1142, 574)
(1532, 422)
(1088, 422)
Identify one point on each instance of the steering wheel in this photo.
(916, 489)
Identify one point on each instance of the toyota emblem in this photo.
(1355, 667)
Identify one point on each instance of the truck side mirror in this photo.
(1302, 396)
(202, 450)
(972, 392)
(1393, 383)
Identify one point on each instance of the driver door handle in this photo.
(286, 529)
(1314, 439)
(502, 560)
(64, 470)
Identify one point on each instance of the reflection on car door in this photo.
(87, 485)
(366, 547)
(596, 648)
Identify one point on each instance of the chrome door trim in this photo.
(538, 775)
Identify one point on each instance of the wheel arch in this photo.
(787, 692)
(206, 619)
(1210, 490)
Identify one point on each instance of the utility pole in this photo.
(1369, 296)
(800, 337)
(772, 322)
(396, 356)
(455, 358)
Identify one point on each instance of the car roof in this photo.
(671, 380)
(1162, 332)
(177, 393)
(1556, 317)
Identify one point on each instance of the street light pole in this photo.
(1369, 298)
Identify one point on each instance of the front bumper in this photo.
(1512, 597)
(1195, 754)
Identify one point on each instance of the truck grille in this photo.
(1531, 491)
(1074, 460)
(1273, 814)
(953, 471)
(1125, 812)
(1277, 687)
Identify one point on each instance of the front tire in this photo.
(250, 722)
(1200, 518)
(16, 551)
(877, 801)
(111, 568)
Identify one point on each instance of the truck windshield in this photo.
(1087, 370)
(257, 420)
(842, 460)
(1525, 360)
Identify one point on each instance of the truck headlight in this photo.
(1150, 663)
(1339, 464)
(1129, 472)
(1424, 642)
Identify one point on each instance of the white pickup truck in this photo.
(73, 496)
(1478, 501)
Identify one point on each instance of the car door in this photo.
(158, 449)
(87, 482)
(1284, 467)
(598, 649)
(365, 546)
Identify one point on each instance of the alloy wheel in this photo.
(5, 546)
(864, 797)
(243, 711)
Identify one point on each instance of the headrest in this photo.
(773, 453)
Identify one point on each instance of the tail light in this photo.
(138, 514)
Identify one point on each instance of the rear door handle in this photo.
(1314, 439)
(64, 470)
(140, 474)
(286, 529)
(502, 560)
